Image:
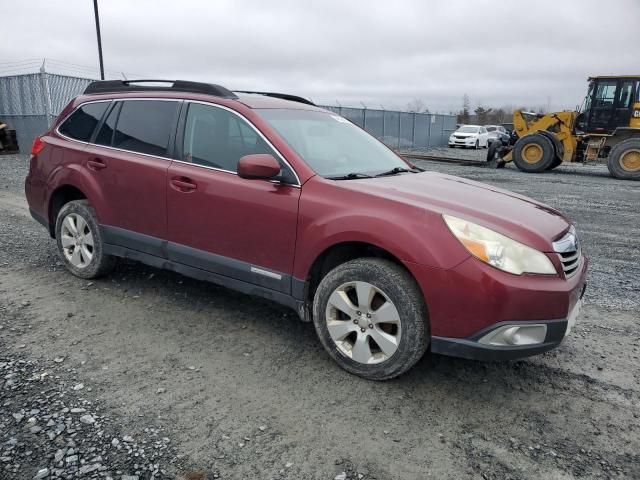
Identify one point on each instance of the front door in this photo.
(219, 222)
(129, 161)
(601, 113)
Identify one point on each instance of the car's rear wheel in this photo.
(80, 242)
(371, 318)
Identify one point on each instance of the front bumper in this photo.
(467, 142)
(472, 347)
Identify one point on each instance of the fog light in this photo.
(509, 335)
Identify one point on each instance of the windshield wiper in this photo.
(396, 170)
(351, 176)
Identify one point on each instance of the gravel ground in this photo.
(208, 383)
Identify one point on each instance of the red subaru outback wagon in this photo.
(270, 195)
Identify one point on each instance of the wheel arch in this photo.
(72, 183)
(60, 197)
(337, 254)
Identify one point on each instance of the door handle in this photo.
(96, 164)
(183, 184)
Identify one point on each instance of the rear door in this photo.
(219, 222)
(128, 160)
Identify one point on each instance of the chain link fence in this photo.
(29, 103)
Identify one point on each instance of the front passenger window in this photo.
(215, 137)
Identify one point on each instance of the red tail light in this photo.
(37, 147)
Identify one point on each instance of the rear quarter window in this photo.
(81, 124)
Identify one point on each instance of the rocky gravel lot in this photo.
(148, 374)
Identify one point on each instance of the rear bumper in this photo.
(472, 348)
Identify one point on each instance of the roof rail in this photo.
(112, 86)
(283, 96)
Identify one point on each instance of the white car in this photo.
(473, 136)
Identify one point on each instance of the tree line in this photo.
(481, 114)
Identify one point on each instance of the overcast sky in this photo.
(377, 52)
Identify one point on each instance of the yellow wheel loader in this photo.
(606, 127)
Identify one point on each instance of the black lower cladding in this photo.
(470, 348)
(39, 218)
(192, 262)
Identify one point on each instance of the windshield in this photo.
(491, 128)
(468, 129)
(331, 145)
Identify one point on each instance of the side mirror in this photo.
(258, 166)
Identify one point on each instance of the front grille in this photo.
(569, 252)
(570, 262)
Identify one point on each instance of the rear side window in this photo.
(81, 124)
(144, 126)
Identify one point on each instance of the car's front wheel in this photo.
(80, 241)
(371, 318)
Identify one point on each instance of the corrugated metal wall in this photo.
(29, 103)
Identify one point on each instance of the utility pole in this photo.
(95, 10)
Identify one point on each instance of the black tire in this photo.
(547, 153)
(556, 162)
(492, 151)
(495, 155)
(100, 263)
(623, 160)
(406, 296)
(477, 145)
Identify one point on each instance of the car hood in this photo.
(458, 134)
(516, 216)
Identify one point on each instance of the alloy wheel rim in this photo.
(630, 160)
(363, 322)
(532, 153)
(77, 240)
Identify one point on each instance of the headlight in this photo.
(497, 250)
